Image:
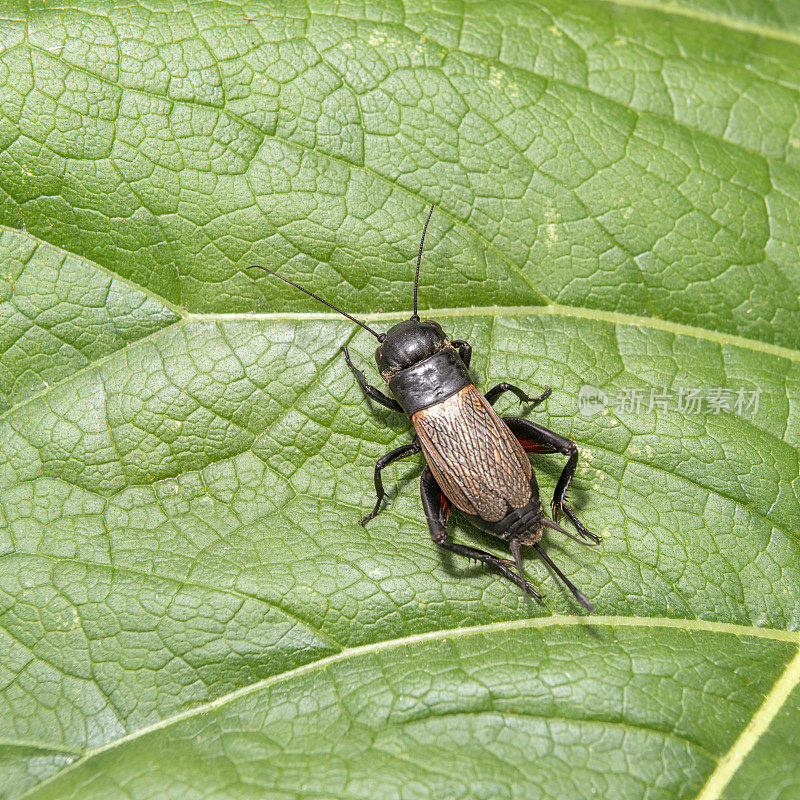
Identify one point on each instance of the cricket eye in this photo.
(434, 323)
(378, 354)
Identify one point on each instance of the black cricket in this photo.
(476, 461)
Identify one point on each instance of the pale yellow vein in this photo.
(728, 765)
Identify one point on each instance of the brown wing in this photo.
(476, 460)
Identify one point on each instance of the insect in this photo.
(477, 461)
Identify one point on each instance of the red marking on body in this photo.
(532, 447)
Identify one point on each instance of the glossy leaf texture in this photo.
(188, 606)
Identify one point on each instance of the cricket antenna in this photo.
(415, 316)
(379, 336)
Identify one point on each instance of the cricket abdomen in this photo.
(524, 524)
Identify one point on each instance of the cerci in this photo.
(476, 460)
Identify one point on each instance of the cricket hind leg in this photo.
(538, 439)
(437, 513)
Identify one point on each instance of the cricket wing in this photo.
(476, 460)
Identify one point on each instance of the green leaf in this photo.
(188, 605)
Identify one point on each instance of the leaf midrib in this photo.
(347, 654)
(676, 10)
(555, 309)
(728, 764)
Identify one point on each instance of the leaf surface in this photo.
(188, 605)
